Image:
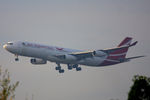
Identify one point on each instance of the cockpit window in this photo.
(9, 43)
(23, 43)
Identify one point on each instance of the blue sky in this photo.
(77, 24)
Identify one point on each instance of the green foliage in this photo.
(140, 90)
(6, 89)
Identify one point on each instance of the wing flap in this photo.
(77, 55)
(82, 55)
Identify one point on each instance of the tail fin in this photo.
(120, 53)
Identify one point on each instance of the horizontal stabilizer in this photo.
(133, 44)
(135, 57)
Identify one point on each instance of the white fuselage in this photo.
(42, 53)
(50, 53)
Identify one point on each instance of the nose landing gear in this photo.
(16, 59)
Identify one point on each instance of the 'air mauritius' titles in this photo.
(43, 46)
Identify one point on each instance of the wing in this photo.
(76, 55)
(82, 54)
(118, 48)
(89, 54)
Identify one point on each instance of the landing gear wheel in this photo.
(78, 69)
(75, 66)
(61, 71)
(16, 59)
(58, 68)
(69, 67)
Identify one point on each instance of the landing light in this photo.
(4, 46)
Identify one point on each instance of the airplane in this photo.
(40, 54)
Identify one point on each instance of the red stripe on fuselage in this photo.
(116, 57)
(106, 63)
(117, 54)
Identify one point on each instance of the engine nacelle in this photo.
(38, 61)
(99, 53)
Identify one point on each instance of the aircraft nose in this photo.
(5, 46)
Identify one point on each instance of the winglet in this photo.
(133, 44)
(126, 41)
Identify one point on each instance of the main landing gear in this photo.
(59, 68)
(70, 67)
(16, 59)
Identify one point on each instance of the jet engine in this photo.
(38, 61)
(99, 53)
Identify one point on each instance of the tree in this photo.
(6, 89)
(140, 90)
